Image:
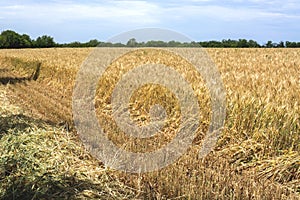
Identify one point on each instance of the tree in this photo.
(173, 43)
(280, 45)
(10, 39)
(132, 42)
(93, 43)
(229, 43)
(269, 44)
(242, 43)
(153, 43)
(292, 44)
(44, 41)
(253, 44)
(26, 41)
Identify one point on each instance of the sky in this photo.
(199, 20)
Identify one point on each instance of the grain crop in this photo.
(256, 157)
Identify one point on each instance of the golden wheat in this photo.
(257, 156)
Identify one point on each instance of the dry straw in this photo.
(257, 156)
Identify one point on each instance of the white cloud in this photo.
(224, 13)
(149, 12)
(67, 17)
(122, 11)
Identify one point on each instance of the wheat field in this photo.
(256, 157)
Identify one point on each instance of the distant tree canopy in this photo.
(44, 42)
(11, 39)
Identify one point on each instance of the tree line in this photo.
(11, 39)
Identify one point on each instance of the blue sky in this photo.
(200, 20)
